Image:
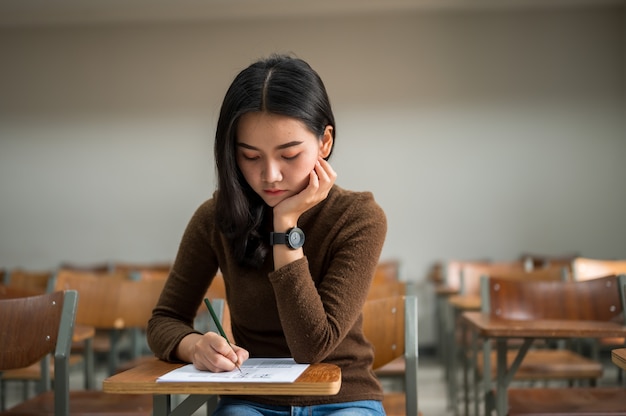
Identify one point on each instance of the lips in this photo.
(273, 192)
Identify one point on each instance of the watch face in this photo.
(295, 238)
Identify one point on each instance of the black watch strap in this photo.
(293, 238)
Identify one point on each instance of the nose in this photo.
(271, 172)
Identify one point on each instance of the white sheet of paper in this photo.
(261, 370)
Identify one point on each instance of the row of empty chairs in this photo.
(114, 299)
(596, 301)
(457, 286)
(115, 304)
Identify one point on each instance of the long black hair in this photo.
(281, 85)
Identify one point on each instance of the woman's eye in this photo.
(249, 157)
(291, 157)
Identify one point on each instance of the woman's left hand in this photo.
(321, 180)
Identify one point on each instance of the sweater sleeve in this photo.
(192, 272)
(317, 313)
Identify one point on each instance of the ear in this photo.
(326, 142)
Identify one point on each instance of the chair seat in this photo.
(100, 343)
(612, 342)
(395, 368)
(87, 402)
(544, 364)
(567, 401)
(33, 371)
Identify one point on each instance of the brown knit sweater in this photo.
(309, 309)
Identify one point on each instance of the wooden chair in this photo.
(101, 267)
(135, 271)
(536, 261)
(469, 298)
(50, 321)
(34, 281)
(591, 300)
(387, 289)
(112, 304)
(145, 271)
(387, 283)
(102, 342)
(387, 271)
(395, 369)
(539, 364)
(590, 268)
(390, 324)
(20, 283)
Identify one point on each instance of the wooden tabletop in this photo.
(618, 356)
(488, 326)
(83, 332)
(465, 302)
(317, 380)
(445, 290)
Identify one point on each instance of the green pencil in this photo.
(219, 326)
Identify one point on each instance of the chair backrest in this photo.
(109, 301)
(103, 267)
(45, 324)
(594, 300)
(33, 281)
(390, 325)
(538, 261)
(471, 274)
(387, 271)
(10, 292)
(149, 275)
(139, 271)
(587, 268)
(452, 275)
(386, 290)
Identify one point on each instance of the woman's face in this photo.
(276, 154)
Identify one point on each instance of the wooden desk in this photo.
(618, 356)
(317, 380)
(502, 330)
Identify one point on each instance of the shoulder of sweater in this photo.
(341, 198)
(347, 206)
(204, 214)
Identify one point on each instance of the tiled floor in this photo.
(431, 388)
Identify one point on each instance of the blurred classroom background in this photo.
(485, 129)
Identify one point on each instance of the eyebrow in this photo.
(279, 147)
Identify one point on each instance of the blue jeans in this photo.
(232, 407)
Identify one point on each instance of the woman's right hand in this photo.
(211, 352)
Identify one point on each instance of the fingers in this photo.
(213, 353)
(242, 354)
(326, 175)
(321, 179)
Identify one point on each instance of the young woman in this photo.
(297, 252)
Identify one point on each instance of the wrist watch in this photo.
(293, 238)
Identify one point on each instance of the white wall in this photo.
(481, 134)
